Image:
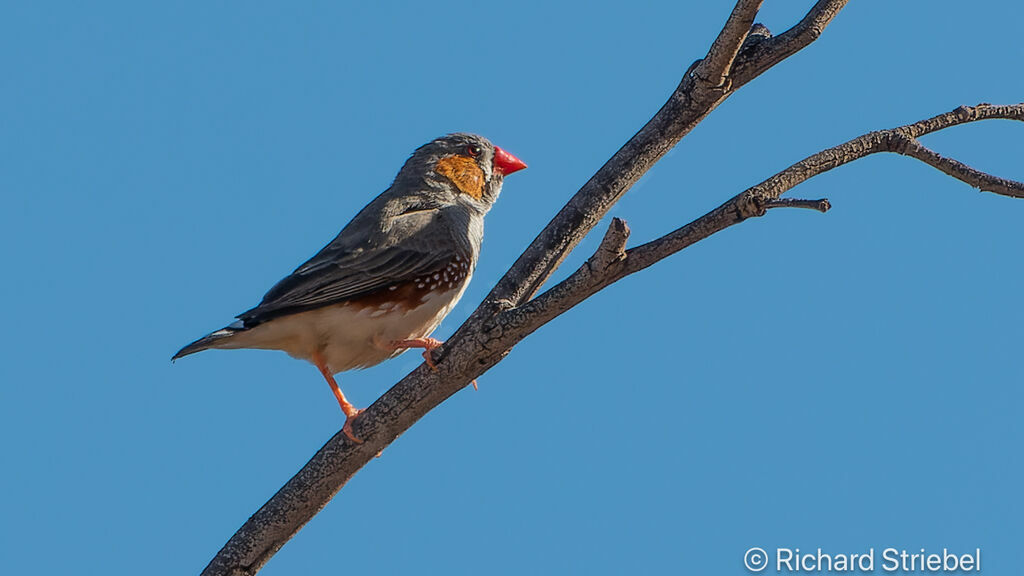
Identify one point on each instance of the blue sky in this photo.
(844, 381)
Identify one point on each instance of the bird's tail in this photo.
(211, 340)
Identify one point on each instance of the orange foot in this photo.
(428, 345)
(347, 428)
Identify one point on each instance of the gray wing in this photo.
(364, 258)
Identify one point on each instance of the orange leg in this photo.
(428, 345)
(350, 411)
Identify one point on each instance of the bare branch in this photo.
(613, 246)
(980, 180)
(755, 201)
(688, 105)
(775, 50)
(821, 205)
(717, 65)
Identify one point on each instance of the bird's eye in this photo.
(474, 150)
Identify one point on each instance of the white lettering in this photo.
(779, 560)
(890, 560)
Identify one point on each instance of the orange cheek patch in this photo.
(464, 173)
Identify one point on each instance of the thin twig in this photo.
(821, 205)
(976, 178)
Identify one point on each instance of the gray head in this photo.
(464, 168)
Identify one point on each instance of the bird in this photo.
(392, 274)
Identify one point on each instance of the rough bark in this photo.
(741, 52)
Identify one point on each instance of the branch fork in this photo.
(513, 310)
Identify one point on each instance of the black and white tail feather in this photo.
(211, 340)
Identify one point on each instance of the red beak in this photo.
(505, 163)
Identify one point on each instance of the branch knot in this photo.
(751, 205)
(613, 247)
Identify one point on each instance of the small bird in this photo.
(390, 276)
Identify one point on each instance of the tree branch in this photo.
(613, 247)
(690, 103)
(716, 66)
(739, 54)
(755, 201)
(980, 180)
(774, 50)
(821, 205)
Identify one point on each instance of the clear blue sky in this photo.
(847, 380)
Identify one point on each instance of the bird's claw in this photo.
(347, 428)
(429, 359)
(428, 344)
